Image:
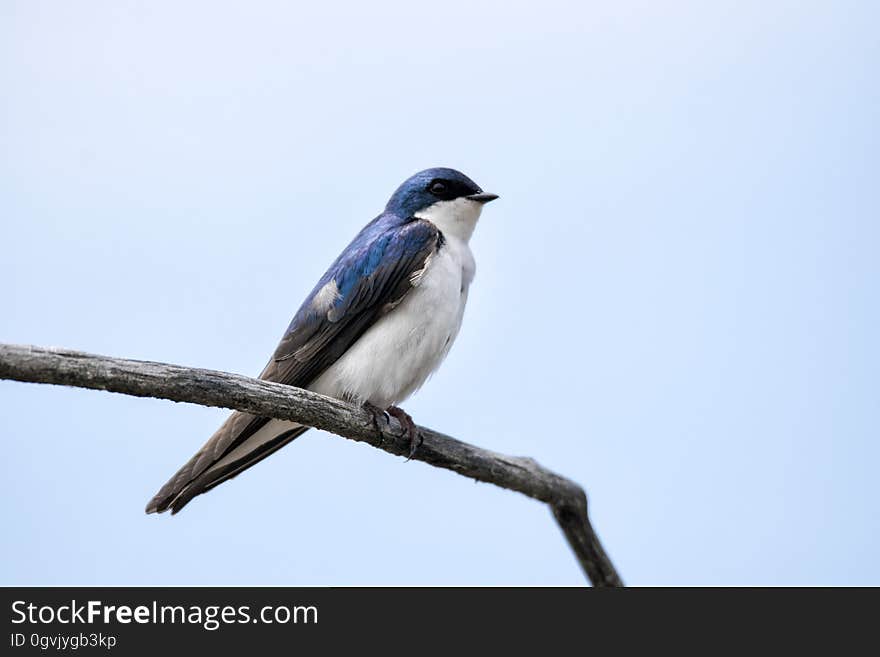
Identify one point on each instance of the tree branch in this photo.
(212, 388)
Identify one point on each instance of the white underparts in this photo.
(455, 219)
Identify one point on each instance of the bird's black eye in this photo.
(438, 188)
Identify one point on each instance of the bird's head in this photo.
(445, 197)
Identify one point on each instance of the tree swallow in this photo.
(377, 324)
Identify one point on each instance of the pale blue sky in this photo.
(676, 301)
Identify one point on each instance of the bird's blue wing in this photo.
(364, 283)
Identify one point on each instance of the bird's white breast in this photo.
(399, 352)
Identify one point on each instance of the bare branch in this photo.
(212, 388)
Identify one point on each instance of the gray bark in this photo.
(212, 388)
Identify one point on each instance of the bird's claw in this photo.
(414, 443)
(412, 432)
(406, 421)
(375, 412)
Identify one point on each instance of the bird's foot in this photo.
(376, 413)
(406, 421)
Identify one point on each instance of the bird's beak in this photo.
(482, 197)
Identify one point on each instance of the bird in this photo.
(377, 324)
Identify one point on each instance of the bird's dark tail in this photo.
(243, 440)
